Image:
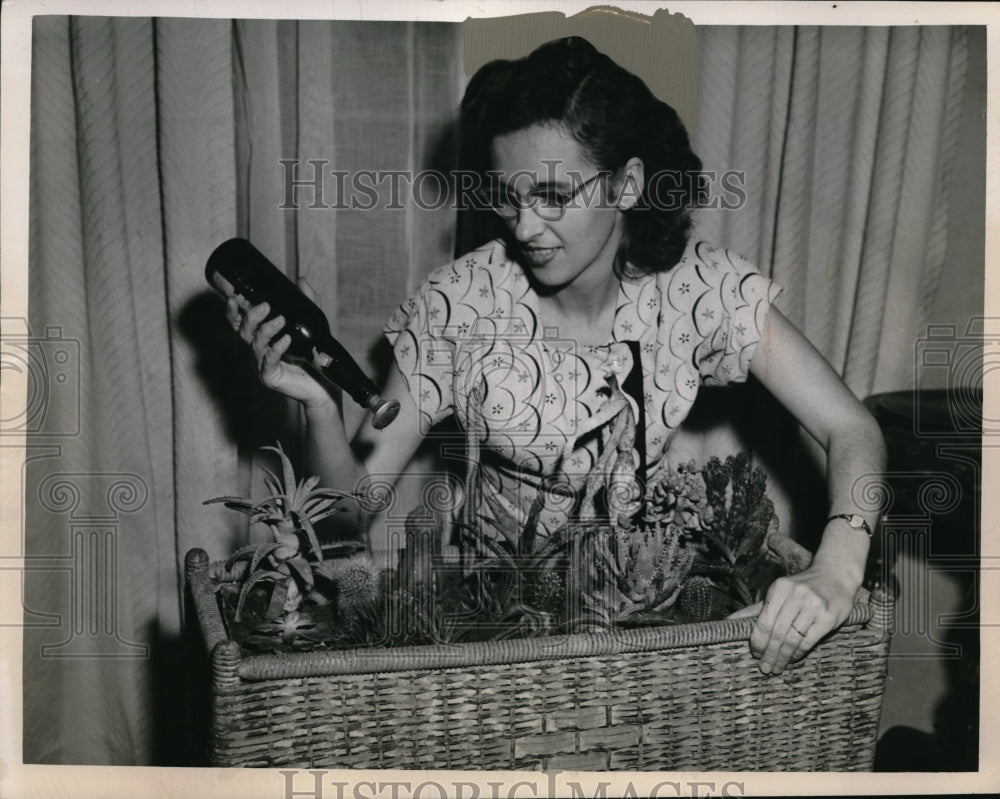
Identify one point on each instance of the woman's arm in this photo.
(799, 610)
(338, 463)
(375, 453)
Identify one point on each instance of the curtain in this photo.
(845, 138)
(152, 142)
(155, 140)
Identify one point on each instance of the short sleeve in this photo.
(727, 302)
(424, 352)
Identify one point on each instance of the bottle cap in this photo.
(383, 411)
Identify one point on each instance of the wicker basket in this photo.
(682, 697)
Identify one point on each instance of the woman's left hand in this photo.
(797, 613)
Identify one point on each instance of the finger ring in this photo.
(798, 631)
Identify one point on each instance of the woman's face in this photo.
(579, 248)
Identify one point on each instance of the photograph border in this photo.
(20, 780)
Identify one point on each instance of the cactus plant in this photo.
(357, 580)
(695, 598)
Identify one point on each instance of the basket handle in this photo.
(196, 573)
(793, 556)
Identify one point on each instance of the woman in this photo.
(591, 317)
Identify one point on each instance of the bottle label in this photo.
(320, 359)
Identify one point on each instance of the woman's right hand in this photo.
(286, 378)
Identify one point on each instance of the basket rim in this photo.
(372, 660)
(509, 652)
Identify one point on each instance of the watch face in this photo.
(855, 521)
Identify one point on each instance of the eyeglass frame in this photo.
(533, 200)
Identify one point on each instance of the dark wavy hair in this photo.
(614, 116)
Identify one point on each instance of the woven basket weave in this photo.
(679, 697)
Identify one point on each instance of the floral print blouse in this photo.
(536, 407)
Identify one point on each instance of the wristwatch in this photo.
(854, 520)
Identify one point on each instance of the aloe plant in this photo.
(293, 557)
(654, 562)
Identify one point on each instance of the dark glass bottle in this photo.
(257, 280)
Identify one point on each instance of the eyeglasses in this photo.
(549, 202)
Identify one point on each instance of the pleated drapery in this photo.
(152, 142)
(155, 140)
(845, 138)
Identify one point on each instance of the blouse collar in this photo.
(630, 321)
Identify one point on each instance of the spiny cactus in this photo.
(357, 581)
(547, 592)
(695, 598)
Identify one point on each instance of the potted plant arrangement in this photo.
(605, 648)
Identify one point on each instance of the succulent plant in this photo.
(734, 527)
(654, 561)
(679, 497)
(293, 557)
(292, 629)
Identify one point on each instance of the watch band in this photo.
(855, 520)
